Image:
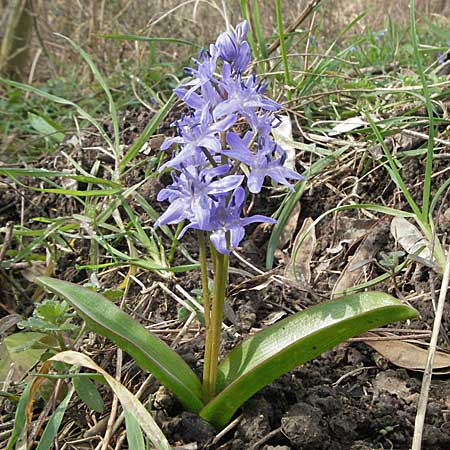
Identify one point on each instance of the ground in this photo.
(350, 398)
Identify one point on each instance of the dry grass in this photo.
(199, 20)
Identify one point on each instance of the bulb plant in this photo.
(214, 164)
(225, 152)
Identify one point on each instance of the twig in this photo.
(426, 380)
(6, 239)
(264, 439)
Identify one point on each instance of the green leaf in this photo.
(35, 323)
(149, 352)
(285, 345)
(135, 438)
(54, 423)
(14, 349)
(46, 126)
(62, 101)
(87, 391)
(42, 173)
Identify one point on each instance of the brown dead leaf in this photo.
(409, 237)
(288, 232)
(407, 355)
(348, 231)
(299, 267)
(391, 383)
(364, 254)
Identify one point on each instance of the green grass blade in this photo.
(61, 101)
(287, 77)
(426, 93)
(250, 40)
(149, 352)
(258, 31)
(19, 419)
(288, 205)
(72, 192)
(104, 85)
(395, 174)
(53, 424)
(285, 345)
(146, 133)
(88, 392)
(42, 173)
(135, 437)
(133, 37)
(128, 401)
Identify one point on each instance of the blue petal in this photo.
(256, 218)
(219, 240)
(255, 181)
(175, 213)
(225, 184)
(237, 233)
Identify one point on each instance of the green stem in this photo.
(206, 306)
(175, 242)
(220, 283)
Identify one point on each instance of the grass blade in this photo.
(102, 82)
(133, 37)
(426, 93)
(19, 419)
(135, 438)
(62, 101)
(53, 424)
(146, 133)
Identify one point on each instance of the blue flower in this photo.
(192, 194)
(193, 136)
(227, 226)
(207, 185)
(242, 97)
(234, 49)
(262, 163)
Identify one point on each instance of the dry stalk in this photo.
(426, 380)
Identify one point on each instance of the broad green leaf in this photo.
(53, 424)
(12, 351)
(87, 391)
(135, 438)
(285, 345)
(128, 401)
(149, 352)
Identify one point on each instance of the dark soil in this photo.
(348, 399)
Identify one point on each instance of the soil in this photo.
(350, 398)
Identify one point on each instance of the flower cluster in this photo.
(208, 184)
